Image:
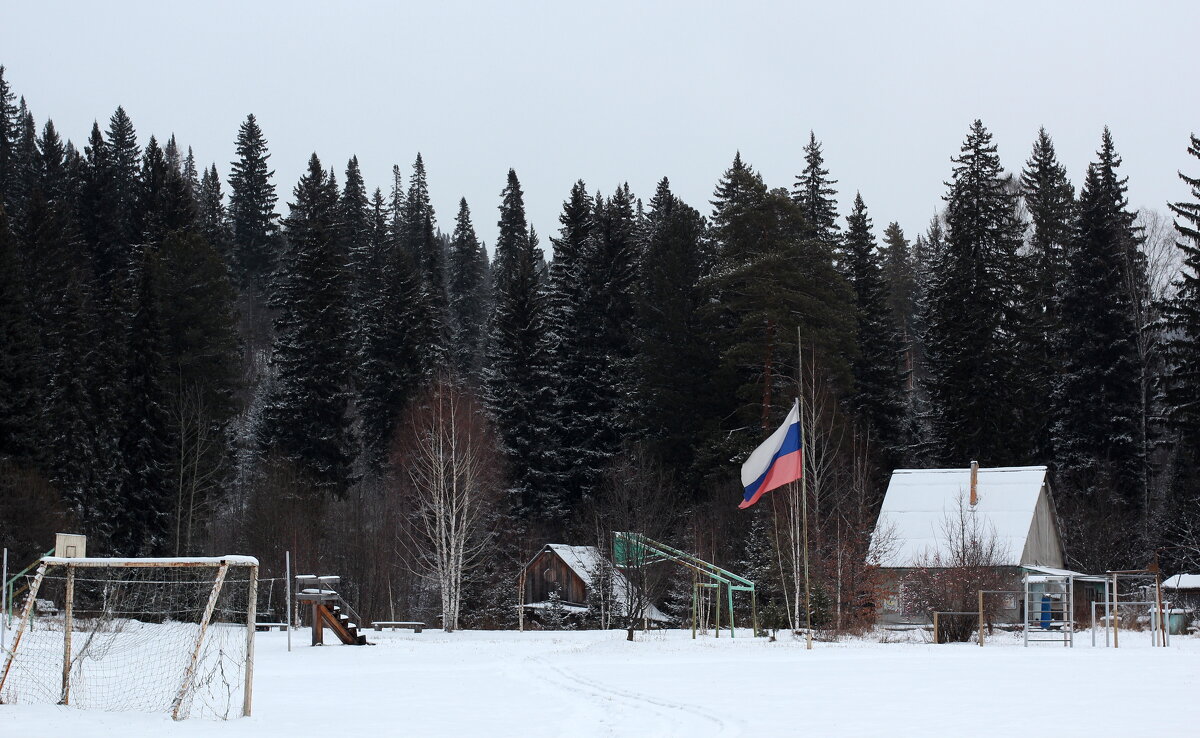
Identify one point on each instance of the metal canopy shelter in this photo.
(636, 550)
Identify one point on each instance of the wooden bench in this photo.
(269, 626)
(393, 624)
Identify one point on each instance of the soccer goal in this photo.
(147, 635)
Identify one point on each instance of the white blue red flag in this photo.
(779, 460)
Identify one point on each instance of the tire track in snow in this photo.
(667, 708)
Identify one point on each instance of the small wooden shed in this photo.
(571, 572)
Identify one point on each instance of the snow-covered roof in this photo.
(586, 562)
(920, 502)
(1182, 581)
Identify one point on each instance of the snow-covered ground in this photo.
(596, 684)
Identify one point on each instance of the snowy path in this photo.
(596, 684)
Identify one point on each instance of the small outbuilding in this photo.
(1183, 592)
(1012, 505)
(571, 572)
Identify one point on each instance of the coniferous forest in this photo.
(196, 358)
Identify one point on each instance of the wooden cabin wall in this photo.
(547, 571)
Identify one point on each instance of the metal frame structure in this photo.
(1159, 628)
(635, 549)
(1043, 620)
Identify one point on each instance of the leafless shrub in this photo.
(971, 558)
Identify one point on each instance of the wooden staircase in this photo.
(346, 629)
(330, 610)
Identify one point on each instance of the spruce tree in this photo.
(53, 174)
(1097, 396)
(970, 312)
(599, 347)
(389, 365)
(306, 418)
(1050, 202)
(877, 399)
(1183, 315)
(515, 380)
(816, 196)
(212, 220)
(916, 425)
(466, 284)
(252, 209)
(900, 275)
(355, 222)
(424, 249)
(124, 172)
(81, 405)
(19, 356)
(26, 158)
(674, 358)
(8, 139)
(140, 513)
(1181, 320)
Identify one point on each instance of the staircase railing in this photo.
(345, 606)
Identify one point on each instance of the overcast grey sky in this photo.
(626, 91)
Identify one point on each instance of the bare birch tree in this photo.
(445, 460)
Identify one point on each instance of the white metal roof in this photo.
(920, 502)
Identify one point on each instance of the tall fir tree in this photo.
(877, 399)
(8, 139)
(603, 345)
(389, 367)
(212, 219)
(425, 251)
(515, 380)
(355, 222)
(1181, 319)
(899, 273)
(126, 182)
(252, 209)
(141, 510)
(466, 286)
(674, 358)
(1097, 396)
(970, 312)
(816, 196)
(1050, 202)
(306, 419)
(20, 362)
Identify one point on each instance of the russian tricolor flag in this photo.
(779, 460)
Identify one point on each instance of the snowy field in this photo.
(597, 684)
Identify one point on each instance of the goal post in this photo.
(146, 634)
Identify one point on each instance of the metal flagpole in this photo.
(287, 589)
(803, 488)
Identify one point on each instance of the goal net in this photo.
(148, 635)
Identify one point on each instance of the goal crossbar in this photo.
(210, 561)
